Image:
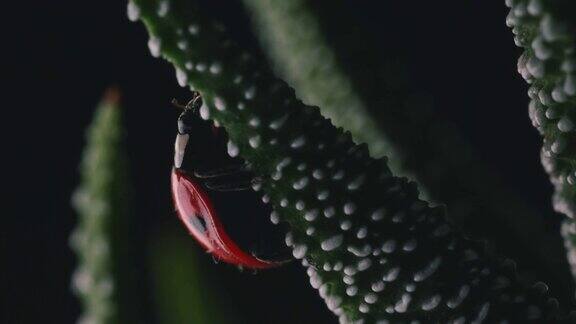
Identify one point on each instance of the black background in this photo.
(62, 55)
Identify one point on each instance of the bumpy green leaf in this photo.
(375, 252)
(97, 201)
(104, 280)
(546, 29)
(419, 145)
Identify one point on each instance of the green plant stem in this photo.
(372, 248)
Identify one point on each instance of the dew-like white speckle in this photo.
(182, 45)
(283, 163)
(250, 93)
(163, 8)
(289, 240)
(482, 314)
(356, 183)
(329, 212)
(391, 274)
(565, 124)
(535, 7)
(399, 217)
(459, 298)
(410, 245)
(254, 141)
(181, 77)
(219, 104)
(201, 67)
(551, 29)
(133, 11)
(378, 286)
(301, 183)
(215, 68)
(362, 232)
(345, 225)
(284, 202)
(300, 205)
(233, 149)
(266, 199)
(332, 243)
(300, 251)
(276, 175)
(298, 142)
(318, 174)
(154, 45)
(338, 266)
(428, 270)
(349, 280)
(360, 251)
(371, 298)
(350, 270)
(275, 217)
(204, 112)
(389, 246)
(431, 303)
(323, 195)
(311, 215)
(310, 230)
(402, 305)
(193, 29)
(351, 291)
(333, 302)
(364, 264)
(378, 214)
(363, 308)
(254, 122)
(349, 208)
(189, 66)
(338, 175)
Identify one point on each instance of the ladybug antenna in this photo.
(193, 104)
(176, 104)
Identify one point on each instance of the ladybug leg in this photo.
(228, 186)
(220, 172)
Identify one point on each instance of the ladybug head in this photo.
(189, 115)
(197, 140)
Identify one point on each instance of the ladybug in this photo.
(213, 197)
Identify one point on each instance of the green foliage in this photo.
(292, 36)
(99, 201)
(548, 35)
(181, 292)
(107, 279)
(419, 145)
(546, 30)
(372, 248)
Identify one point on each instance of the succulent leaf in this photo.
(373, 249)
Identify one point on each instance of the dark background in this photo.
(62, 55)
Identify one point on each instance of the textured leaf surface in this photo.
(100, 203)
(419, 144)
(546, 30)
(373, 250)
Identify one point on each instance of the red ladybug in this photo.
(212, 196)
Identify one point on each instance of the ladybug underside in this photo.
(213, 199)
